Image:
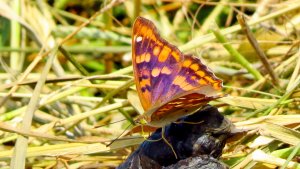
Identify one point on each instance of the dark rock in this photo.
(198, 162)
(196, 145)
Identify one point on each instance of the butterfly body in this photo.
(169, 83)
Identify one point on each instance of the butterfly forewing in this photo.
(194, 76)
(163, 74)
(155, 62)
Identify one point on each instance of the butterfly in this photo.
(170, 84)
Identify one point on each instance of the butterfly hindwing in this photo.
(177, 108)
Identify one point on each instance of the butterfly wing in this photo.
(163, 74)
(155, 62)
(177, 108)
(194, 86)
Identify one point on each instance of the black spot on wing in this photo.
(146, 88)
(143, 77)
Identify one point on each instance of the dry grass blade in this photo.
(18, 160)
(209, 37)
(61, 149)
(50, 107)
(278, 119)
(238, 57)
(260, 156)
(254, 43)
(7, 12)
(281, 133)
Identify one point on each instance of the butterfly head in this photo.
(142, 120)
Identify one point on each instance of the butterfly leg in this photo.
(187, 122)
(143, 133)
(167, 142)
(147, 139)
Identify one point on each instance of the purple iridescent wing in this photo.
(164, 75)
(155, 62)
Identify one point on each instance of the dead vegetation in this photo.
(66, 68)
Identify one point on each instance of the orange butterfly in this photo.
(169, 83)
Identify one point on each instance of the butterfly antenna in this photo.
(118, 136)
(109, 123)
